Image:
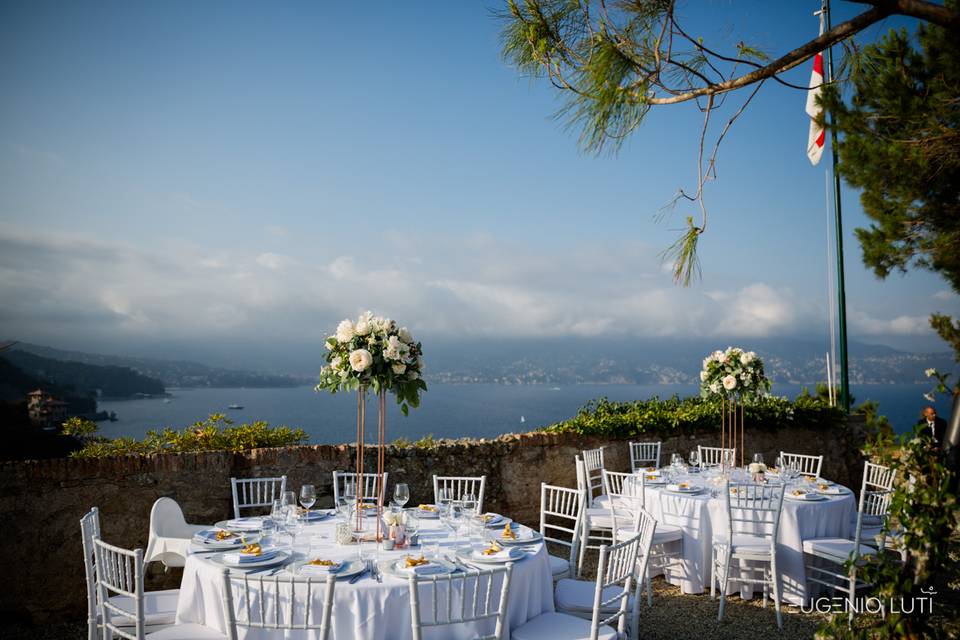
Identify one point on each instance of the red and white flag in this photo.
(817, 135)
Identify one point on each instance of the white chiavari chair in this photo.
(805, 464)
(713, 456)
(160, 607)
(278, 605)
(643, 455)
(826, 557)
(561, 518)
(459, 486)
(753, 522)
(666, 545)
(170, 535)
(367, 493)
(122, 600)
(455, 599)
(609, 599)
(597, 528)
(250, 493)
(593, 464)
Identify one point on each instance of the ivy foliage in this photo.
(215, 433)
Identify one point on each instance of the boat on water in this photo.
(235, 407)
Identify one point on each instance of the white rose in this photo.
(718, 356)
(391, 354)
(746, 358)
(398, 367)
(715, 388)
(363, 327)
(757, 467)
(930, 372)
(744, 376)
(703, 376)
(360, 360)
(729, 383)
(405, 335)
(345, 331)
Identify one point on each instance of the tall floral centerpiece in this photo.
(373, 353)
(737, 377)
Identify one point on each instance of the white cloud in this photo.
(274, 261)
(945, 296)
(902, 325)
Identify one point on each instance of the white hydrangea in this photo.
(363, 327)
(345, 331)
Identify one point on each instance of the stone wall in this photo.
(43, 501)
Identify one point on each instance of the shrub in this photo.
(217, 432)
(665, 417)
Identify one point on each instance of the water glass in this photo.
(308, 496)
(469, 505)
(694, 458)
(758, 458)
(411, 522)
(277, 513)
(401, 494)
(268, 532)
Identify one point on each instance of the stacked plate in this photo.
(427, 511)
(266, 558)
(433, 566)
(803, 495)
(684, 488)
(217, 539)
(523, 535)
(505, 554)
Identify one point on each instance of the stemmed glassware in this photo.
(401, 494)
(694, 459)
(758, 458)
(450, 517)
(308, 497)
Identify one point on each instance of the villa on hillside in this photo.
(46, 410)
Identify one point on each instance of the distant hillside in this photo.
(171, 373)
(86, 379)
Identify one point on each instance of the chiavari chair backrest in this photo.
(561, 517)
(120, 573)
(459, 486)
(713, 456)
(255, 601)
(616, 568)
(458, 598)
(754, 509)
(249, 493)
(89, 531)
(643, 455)
(876, 491)
(806, 465)
(369, 492)
(593, 465)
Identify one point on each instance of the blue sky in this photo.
(179, 175)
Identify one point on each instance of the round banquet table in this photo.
(701, 517)
(368, 609)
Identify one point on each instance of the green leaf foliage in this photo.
(215, 433)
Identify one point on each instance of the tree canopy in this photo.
(901, 148)
(614, 61)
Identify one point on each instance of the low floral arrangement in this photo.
(733, 374)
(374, 352)
(757, 467)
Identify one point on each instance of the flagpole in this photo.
(838, 227)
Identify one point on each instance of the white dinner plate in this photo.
(207, 539)
(525, 535)
(426, 513)
(690, 491)
(494, 519)
(501, 523)
(811, 496)
(348, 569)
(280, 558)
(395, 567)
(242, 525)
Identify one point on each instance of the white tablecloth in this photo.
(702, 517)
(368, 609)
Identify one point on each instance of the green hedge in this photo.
(215, 433)
(667, 417)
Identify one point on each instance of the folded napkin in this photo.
(676, 487)
(253, 523)
(506, 553)
(808, 495)
(492, 518)
(320, 569)
(831, 491)
(421, 569)
(243, 558)
(209, 536)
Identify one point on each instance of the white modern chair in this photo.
(666, 545)
(561, 518)
(122, 599)
(170, 535)
(368, 493)
(753, 522)
(643, 455)
(597, 528)
(159, 607)
(250, 493)
(459, 486)
(294, 604)
(713, 456)
(609, 597)
(593, 464)
(806, 465)
(826, 557)
(478, 601)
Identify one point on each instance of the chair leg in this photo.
(635, 614)
(584, 538)
(713, 573)
(649, 587)
(851, 597)
(724, 582)
(775, 583)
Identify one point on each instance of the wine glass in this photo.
(758, 458)
(277, 513)
(401, 494)
(411, 523)
(694, 459)
(450, 516)
(444, 497)
(469, 505)
(308, 496)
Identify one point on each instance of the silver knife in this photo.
(354, 579)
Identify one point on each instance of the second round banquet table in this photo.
(703, 515)
(367, 609)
